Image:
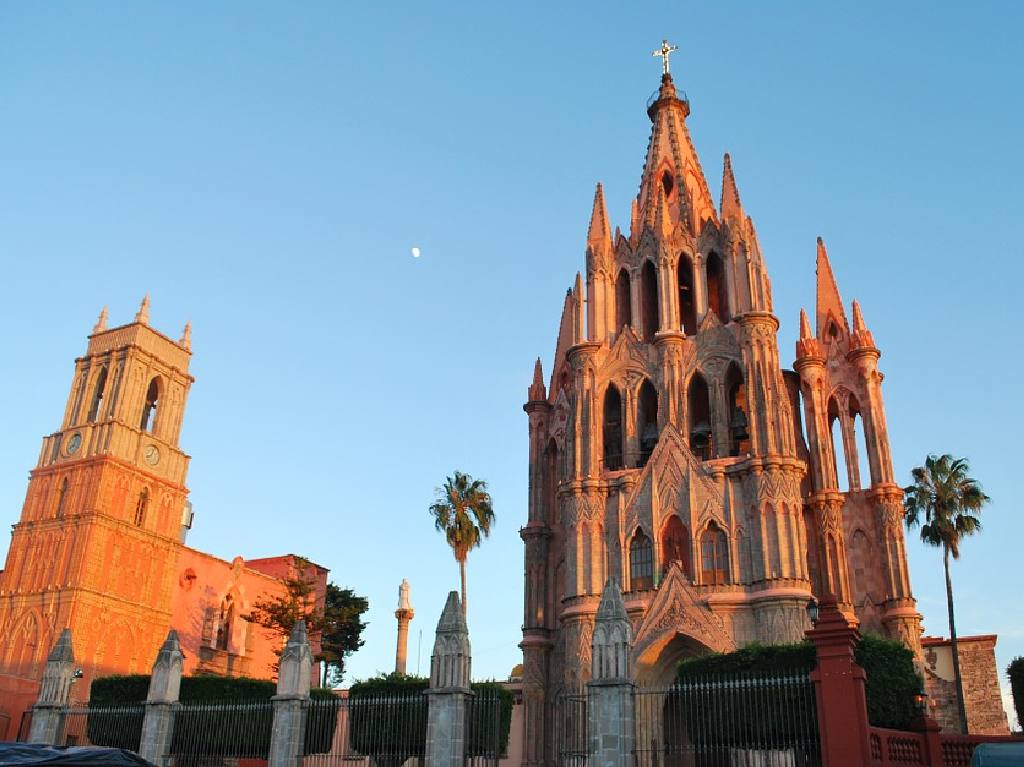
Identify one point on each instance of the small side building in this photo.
(982, 699)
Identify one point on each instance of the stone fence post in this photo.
(449, 688)
(839, 689)
(610, 710)
(54, 693)
(162, 701)
(288, 732)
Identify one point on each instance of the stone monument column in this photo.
(610, 690)
(449, 688)
(286, 736)
(404, 614)
(162, 701)
(48, 712)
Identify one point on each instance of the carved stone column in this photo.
(286, 736)
(162, 701)
(610, 710)
(449, 688)
(48, 712)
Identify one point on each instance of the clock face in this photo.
(74, 443)
(151, 455)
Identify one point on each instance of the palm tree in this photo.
(463, 512)
(949, 501)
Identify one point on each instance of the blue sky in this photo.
(263, 170)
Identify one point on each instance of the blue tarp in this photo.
(998, 755)
(30, 755)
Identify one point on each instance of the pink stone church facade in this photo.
(672, 452)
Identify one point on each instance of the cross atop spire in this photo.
(664, 52)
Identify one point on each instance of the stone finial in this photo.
(165, 681)
(450, 661)
(537, 393)
(186, 336)
(805, 327)
(101, 322)
(296, 662)
(142, 315)
(599, 233)
(634, 218)
(858, 318)
(578, 311)
(59, 672)
(613, 636)
(730, 204)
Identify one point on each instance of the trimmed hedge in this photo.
(388, 718)
(237, 732)
(1015, 671)
(892, 682)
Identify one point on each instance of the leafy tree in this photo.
(945, 502)
(342, 630)
(462, 511)
(337, 624)
(1016, 673)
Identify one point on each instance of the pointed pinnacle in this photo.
(101, 323)
(730, 204)
(143, 314)
(805, 327)
(634, 218)
(858, 318)
(186, 336)
(829, 302)
(538, 373)
(599, 231)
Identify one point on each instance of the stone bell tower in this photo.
(104, 514)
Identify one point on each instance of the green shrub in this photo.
(1015, 671)
(892, 681)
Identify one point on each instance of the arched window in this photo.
(687, 297)
(623, 301)
(641, 562)
(647, 420)
(699, 407)
(612, 429)
(860, 446)
(649, 301)
(714, 550)
(718, 296)
(62, 494)
(95, 409)
(149, 410)
(225, 624)
(675, 546)
(140, 507)
(842, 477)
(736, 391)
(667, 183)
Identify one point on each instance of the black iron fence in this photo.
(723, 721)
(571, 729)
(486, 729)
(383, 729)
(209, 733)
(114, 726)
(729, 721)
